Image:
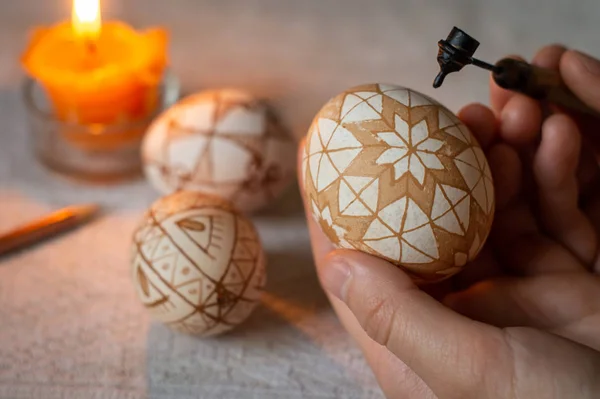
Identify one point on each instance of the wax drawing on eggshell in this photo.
(221, 142)
(392, 172)
(198, 265)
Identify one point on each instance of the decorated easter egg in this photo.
(198, 265)
(391, 172)
(221, 142)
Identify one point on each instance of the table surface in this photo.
(70, 325)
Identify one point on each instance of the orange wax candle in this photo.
(97, 73)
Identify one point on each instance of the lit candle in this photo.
(86, 19)
(98, 73)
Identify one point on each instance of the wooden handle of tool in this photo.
(539, 83)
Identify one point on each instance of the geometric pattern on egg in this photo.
(198, 265)
(391, 172)
(220, 142)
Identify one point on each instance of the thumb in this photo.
(581, 73)
(452, 354)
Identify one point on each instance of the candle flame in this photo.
(86, 18)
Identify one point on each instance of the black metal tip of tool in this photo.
(454, 54)
(439, 79)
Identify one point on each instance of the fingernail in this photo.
(335, 277)
(591, 64)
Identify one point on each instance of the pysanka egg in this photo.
(198, 265)
(222, 142)
(393, 173)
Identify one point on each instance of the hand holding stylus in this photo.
(539, 83)
(521, 320)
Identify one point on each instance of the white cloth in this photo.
(70, 324)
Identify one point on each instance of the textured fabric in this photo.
(70, 324)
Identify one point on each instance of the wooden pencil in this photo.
(47, 226)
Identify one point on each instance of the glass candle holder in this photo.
(93, 152)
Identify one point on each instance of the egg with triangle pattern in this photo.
(392, 172)
(224, 142)
(198, 265)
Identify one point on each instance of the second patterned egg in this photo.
(223, 142)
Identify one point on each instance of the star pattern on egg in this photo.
(411, 149)
(391, 172)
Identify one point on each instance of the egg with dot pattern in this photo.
(198, 265)
(393, 173)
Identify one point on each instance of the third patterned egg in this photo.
(392, 172)
(198, 264)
